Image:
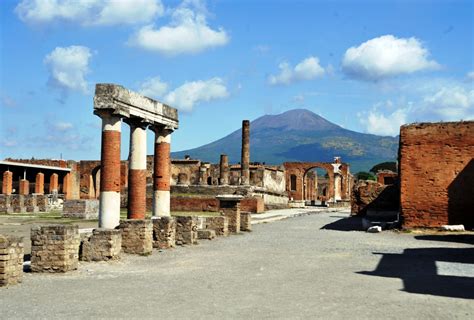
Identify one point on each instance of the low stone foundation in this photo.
(229, 206)
(219, 224)
(137, 236)
(54, 248)
(206, 234)
(5, 204)
(11, 260)
(17, 203)
(30, 203)
(164, 232)
(102, 245)
(83, 209)
(245, 221)
(186, 230)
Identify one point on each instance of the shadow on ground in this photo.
(443, 272)
(345, 224)
(458, 238)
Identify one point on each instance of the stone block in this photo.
(30, 203)
(219, 224)
(42, 203)
(11, 260)
(102, 245)
(17, 203)
(83, 209)
(451, 227)
(137, 236)
(186, 230)
(5, 206)
(164, 232)
(206, 234)
(55, 248)
(245, 221)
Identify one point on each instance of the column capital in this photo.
(136, 122)
(106, 113)
(161, 130)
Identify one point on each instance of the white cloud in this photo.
(470, 76)
(188, 32)
(62, 126)
(387, 56)
(154, 88)
(89, 12)
(453, 103)
(376, 122)
(307, 69)
(191, 93)
(68, 67)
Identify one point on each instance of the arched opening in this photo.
(316, 181)
(96, 182)
(209, 181)
(293, 182)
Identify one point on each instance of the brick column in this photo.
(67, 186)
(7, 185)
(162, 172)
(39, 183)
(137, 170)
(53, 183)
(229, 206)
(224, 170)
(109, 203)
(24, 187)
(245, 159)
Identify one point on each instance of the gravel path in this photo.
(304, 267)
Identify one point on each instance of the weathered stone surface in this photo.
(137, 236)
(84, 209)
(186, 230)
(450, 227)
(219, 224)
(54, 248)
(437, 174)
(374, 229)
(245, 221)
(206, 234)
(102, 245)
(11, 260)
(164, 232)
(30, 203)
(370, 195)
(5, 205)
(229, 206)
(17, 203)
(42, 203)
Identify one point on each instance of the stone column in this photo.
(39, 183)
(137, 170)
(53, 183)
(24, 187)
(7, 185)
(202, 175)
(109, 203)
(245, 159)
(162, 172)
(224, 170)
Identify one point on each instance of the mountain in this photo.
(300, 135)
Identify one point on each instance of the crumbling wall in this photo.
(437, 174)
(371, 195)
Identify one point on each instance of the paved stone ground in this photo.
(300, 268)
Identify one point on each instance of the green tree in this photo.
(362, 175)
(391, 165)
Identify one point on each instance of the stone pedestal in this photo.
(186, 230)
(102, 245)
(83, 209)
(137, 236)
(42, 203)
(54, 248)
(5, 204)
(17, 203)
(245, 221)
(219, 224)
(206, 234)
(30, 203)
(229, 206)
(11, 260)
(164, 232)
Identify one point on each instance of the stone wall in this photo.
(186, 230)
(437, 174)
(84, 209)
(102, 245)
(245, 221)
(164, 232)
(137, 236)
(250, 204)
(371, 195)
(11, 260)
(219, 224)
(54, 248)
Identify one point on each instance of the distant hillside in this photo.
(300, 135)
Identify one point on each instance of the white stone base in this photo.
(161, 203)
(109, 209)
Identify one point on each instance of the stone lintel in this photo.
(128, 105)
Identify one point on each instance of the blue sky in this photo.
(369, 66)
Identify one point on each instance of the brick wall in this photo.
(437, 174)
(253, 204)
